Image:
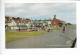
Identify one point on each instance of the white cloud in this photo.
(38, 9)
(41, 9)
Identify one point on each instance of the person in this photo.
(19, 29)
(46, 28)
(63, 29)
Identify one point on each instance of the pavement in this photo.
(53, 39)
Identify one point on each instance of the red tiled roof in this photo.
(19, 20)
(23, 20)
(8, 18)
(58, 21)
(27, 21)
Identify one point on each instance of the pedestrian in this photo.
(46, 28)
(19, 29)
(63, 29)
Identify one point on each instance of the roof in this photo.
(20, 20)
(7, 18)
(16, 20)
(56, 22)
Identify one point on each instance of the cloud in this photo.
(41, 10)
(37, 9)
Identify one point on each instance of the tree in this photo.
(18, 18)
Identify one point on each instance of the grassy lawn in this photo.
(60, 28)
(13, 38)
(8, 38)
(71, 26)
(25, 33)
(54, 28)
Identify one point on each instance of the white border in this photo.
(39, 51)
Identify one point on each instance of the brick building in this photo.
(56, 22)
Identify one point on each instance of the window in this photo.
(54, 22)
(17, 23)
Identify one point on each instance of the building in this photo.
(15, 23)
(8, 22)
(56, 22)
(68, 24)
(12, 23)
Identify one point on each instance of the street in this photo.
(53, 39)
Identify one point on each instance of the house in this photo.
(49, 21)
(21, 23)
(15, 23)
(56, 22)
(68, 24)
(38, 24)
(9, 23)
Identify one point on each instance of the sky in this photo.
(63, 11)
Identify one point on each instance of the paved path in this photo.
(54, 39)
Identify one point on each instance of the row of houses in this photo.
(15, 23)
(18, 23)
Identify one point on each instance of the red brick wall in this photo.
(56, 22)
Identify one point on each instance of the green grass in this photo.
(71, 26)
(9, 38)
(13, 38)
(25, 33)
(60, 28)
(55, 28)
